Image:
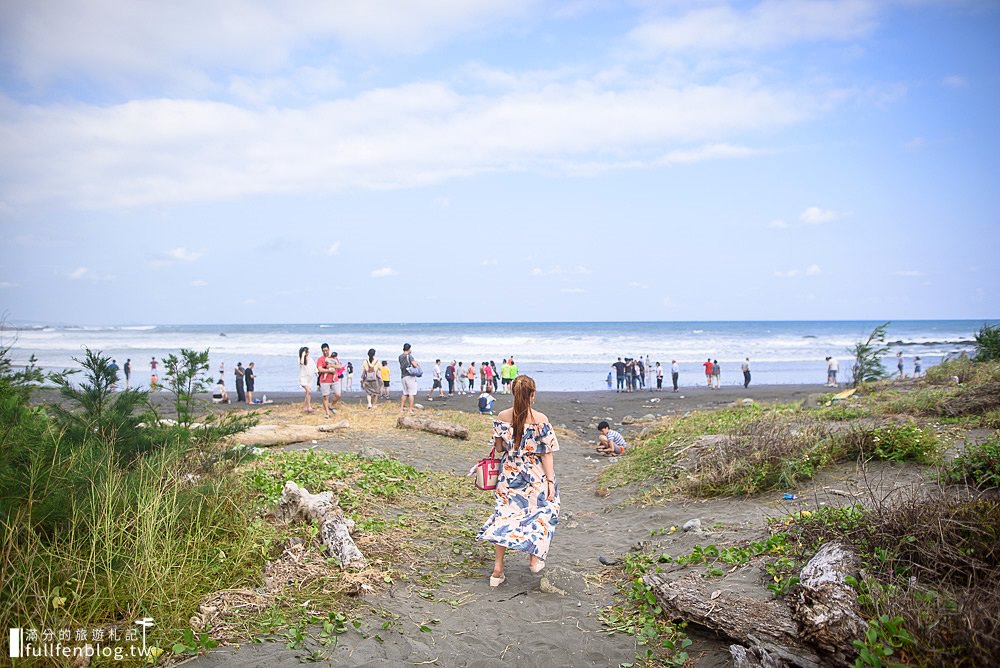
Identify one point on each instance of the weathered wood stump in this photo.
(816, 630)
(766, 626)
(336, 426)
(335, 529)
(825, 605)
(433, 426)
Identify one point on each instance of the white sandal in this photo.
(496, 582)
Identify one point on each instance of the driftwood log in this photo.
(763, 625)
(826, 606)
(336, 426)
(334, 528)
(817, 632)
(433, 426)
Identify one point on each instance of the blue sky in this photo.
(489, 160)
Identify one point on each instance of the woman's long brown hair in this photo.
(522, 387)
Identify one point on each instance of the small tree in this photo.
(868, 357)
(988, 343)
(185, 377)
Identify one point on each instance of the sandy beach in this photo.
(552, 618)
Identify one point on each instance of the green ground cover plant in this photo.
(978, 465)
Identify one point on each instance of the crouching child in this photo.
(609, 441)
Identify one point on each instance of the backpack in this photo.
(449, 373)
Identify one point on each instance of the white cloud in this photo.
(954, 81)
(491, 262)
(778, 225)
(85, 273)
(813, 270)
(333, 249)
(383, 272)
(816, 216)
(915, 144)
(179, 255)
(770, 24)
(537, 271)
(158, 42)
(910, 273)
(572, 291)
(636, 284)
(198, 283)
(790, 273)
(154, 151)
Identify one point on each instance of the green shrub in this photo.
(988, 343)
(979, 465)
(907, 442)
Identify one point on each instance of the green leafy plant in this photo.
(867, 366)
(884, 638)
(186, 376)
(190, 643)
(906, 442)
(639, 614)
(988, 343)
(978, 465)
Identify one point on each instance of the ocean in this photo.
(569, 356)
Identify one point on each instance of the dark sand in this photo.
(549, 619)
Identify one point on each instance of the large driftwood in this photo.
(335, 529)
(818, 632)
(433, 426)
(336, 426)
(766, 625)
(825, 605)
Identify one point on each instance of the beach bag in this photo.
(370, 373)
(414, 371)
(487, 470)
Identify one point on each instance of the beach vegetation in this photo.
(988, 343)
(186, 376)
(636, 612)
(867, 366)
(978, 464)
(929, 584)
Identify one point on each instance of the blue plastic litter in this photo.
(789, 497)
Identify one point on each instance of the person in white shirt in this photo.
(831, 371)
(437, 382)
(675, 372)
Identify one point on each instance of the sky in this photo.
(498, 160)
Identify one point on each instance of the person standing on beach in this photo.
(449, 375)
(916, 366)
(675, 372)
(460, 378)
(329, 368)
(831, 371)
(659, 377)
(746, 372)
(716, 375)
(437, 382)
(241, 395)
(482, 375)
(250, 377)
(496, 375)
(629, 374)
(489, 371)
(350, 377)
(371, 379)
(385, 378)
(899, 364)
(128, 373)
(407, 367)
(619, 367)
(650, 373)
(307, 375)
(472, 377)
(708, 372)
(153, 379)
(222, 369)
(504, 376)
(526, 503)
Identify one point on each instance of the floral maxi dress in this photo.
(523, 519)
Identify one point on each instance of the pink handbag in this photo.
(487, 471)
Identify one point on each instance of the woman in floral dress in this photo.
(526, 510)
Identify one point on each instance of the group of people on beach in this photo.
(634, 373)
(329, 374)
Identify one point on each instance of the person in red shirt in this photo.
(329, 368)
(708, 371)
